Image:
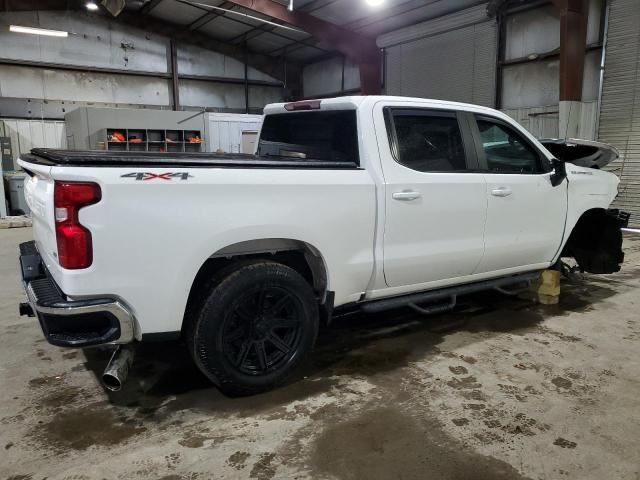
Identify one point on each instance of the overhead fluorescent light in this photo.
(374, 3)
(38, 31)
(91, 6)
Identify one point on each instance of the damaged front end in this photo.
(596, 241)
(583, 153)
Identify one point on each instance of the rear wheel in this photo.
(256, 326)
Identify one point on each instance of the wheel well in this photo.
(595, 242)
(295, 254)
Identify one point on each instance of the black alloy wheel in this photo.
(262, 330)
(253, 326)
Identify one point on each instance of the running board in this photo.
(412, 300)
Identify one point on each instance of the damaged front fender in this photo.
(596, 241)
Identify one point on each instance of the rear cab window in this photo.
(319, 135)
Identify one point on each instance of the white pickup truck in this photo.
(355, 202)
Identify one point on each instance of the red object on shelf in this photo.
(117, 137)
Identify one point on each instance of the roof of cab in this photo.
(353, 102)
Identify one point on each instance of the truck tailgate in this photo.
(38, 192)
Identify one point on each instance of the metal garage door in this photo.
(620, 110)
(450, 58)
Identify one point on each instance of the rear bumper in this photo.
(71, 323)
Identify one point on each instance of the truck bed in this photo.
(100, 158)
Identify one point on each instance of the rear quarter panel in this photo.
(150, 237)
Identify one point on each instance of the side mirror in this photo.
(559, 172)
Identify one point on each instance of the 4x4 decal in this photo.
(157, 176)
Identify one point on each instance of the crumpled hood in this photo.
(584, 153)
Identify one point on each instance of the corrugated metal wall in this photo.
(28, 134)
(620, 111)
(330, 77)
(450, 58)
(97, 41)
(543, 121)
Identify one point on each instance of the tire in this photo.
(256, 326)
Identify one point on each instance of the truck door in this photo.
(435, 199)
(526, 214)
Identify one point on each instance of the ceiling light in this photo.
(91, 6)
(374, 3)
(290, 8)
(37, 31)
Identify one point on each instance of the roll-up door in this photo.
(450, 58)
(620, 109)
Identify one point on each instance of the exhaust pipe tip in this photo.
(118, 367)
(111, 382)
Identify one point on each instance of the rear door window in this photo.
(428, 141)
(328, 136)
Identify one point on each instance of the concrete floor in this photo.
(500, 389)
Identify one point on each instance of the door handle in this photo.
(501, 192)
(406, 196)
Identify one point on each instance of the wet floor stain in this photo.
(46, 381)
(264, 468)
(92, 425)
(562, 382)
(384, 443)
(238, 460)
(564, 443)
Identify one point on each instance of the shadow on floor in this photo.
(165, 380)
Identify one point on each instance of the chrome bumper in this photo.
(71, 323)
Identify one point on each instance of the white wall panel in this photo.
(537, 83)
(48, 84)
(98, 41)
(542, 122)
(537, 31)
(225, 130)
(196, 93)
(193, 60)
(351, 76)
(93, 41)
(323, 78)
(28, 134)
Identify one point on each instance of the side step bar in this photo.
(451, 293)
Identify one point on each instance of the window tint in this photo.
(505, 150)
(314, 135)
(429, 142)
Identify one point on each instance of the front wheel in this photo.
(256, 326)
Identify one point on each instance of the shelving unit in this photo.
(152, 140)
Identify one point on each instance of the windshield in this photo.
(329, 136)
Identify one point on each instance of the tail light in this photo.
(75, 249)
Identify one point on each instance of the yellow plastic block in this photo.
(547, 288)
(550, 283)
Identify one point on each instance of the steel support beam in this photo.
(31, 5)
(136, 73)
(573, 44)
(360, 49)
(246, 82)
(147, 7)
(175, 82)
